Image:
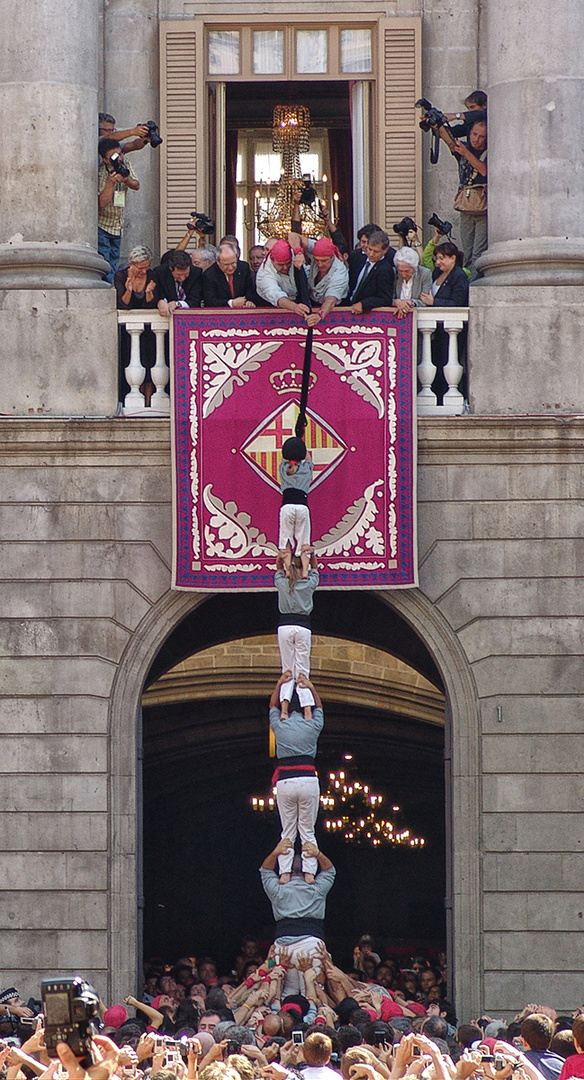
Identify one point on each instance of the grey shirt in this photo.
(298, 899)
(301, 600)
(296, 736)
(300, 479)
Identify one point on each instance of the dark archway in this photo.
(354, 616)
(202, 760)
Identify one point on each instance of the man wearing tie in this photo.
(178, 284)
(228, 282)
(374, 285)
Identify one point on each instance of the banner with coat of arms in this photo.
(236, 378)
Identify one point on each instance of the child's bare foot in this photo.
(285, 878)
(309, 879)
(284, 711)
(307, 711)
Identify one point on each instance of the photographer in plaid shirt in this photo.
(111, 188)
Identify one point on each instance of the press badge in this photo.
(120, 197)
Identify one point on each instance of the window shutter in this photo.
(399, 173)
(183, 177)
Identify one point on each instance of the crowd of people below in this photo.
(378, 1021)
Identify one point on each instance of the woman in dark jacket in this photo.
(449, 289)
(450, 283)
(135, 285)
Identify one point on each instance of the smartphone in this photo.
(417, 1051)
(298, 1038)
(233, 1048)
(487, 1057)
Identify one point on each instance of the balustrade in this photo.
(426, 322)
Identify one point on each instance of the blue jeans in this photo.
(108, 246)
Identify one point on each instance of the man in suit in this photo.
(228, 282)
(178, 284)
(374, 285)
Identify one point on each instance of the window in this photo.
(311, 52)
(268, 52)
(223, 52)
(355, 50)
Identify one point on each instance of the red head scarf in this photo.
(281, 251)
(324, 248)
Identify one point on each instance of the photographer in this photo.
(107, 130)
(476, 106)
(471, 197)
(114, 178)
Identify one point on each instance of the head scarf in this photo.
(281, 251)
(324, 248)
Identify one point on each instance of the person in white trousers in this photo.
(297, 787)
(295, 479)
(296, 578)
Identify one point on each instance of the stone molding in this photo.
(51, 266)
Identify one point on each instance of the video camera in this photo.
(153, 136)
(444, 227)
(308, 195)
(201, 223)
(71, 1011)
(432, 120)
(117, 163)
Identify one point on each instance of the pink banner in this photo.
(236, 392)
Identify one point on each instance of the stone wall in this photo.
(86, 605)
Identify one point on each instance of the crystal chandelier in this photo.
(354, 812)
(274, 202)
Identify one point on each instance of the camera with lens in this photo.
(433, 120)
(444, 227)
(432, 117)
(153, 136)
(202, 223)
(117, 163)
(405, 226)
(71, 1011)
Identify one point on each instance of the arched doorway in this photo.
(407, 625)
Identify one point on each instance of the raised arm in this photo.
(275, 698)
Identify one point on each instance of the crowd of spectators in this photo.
(377, 1021)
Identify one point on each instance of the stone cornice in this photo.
(102, 440)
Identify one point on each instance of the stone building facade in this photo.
(85, 582)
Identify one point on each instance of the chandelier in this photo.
(354, 812)
(275, 206)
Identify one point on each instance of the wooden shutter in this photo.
(399, 173)
(183, 185)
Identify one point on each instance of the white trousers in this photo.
(294, 526)
(294, 644)
(307, 945)
(298, 801)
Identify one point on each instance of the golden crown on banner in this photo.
(290, 380)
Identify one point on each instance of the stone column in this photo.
(57, 316)
(526, 327)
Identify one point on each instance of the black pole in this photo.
(304, 296)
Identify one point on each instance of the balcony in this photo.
(449, 322)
